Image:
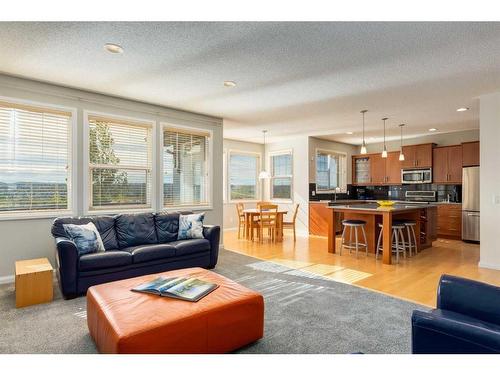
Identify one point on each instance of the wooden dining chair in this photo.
(291, 224)
(268, 219)
(241, 218)
(261, 203)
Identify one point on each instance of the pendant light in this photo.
(363, 145)
(384, 152)
(401, 155)
(263, 173)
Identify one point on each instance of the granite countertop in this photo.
(398, 207)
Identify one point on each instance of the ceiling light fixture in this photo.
(432, 129)
(229, 84)
(363, 145)
(263, 173)
(462, 109)
(384, 151)
(401, 155)
(113, 48)
(349, 133)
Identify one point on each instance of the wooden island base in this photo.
(423, 215)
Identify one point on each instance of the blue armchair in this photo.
(466, 320)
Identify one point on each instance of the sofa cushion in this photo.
(85, 238)
(58, 230)
(106, 227)
(145, 253)
(108, 259)
(167, 226)
(184, 247)
(133, 230)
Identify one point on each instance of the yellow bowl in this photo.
(385, 203)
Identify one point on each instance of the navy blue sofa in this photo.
(136, 244)
(466, 320)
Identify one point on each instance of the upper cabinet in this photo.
(470, 154)
(372, 169)
(447, 165)
(418, 156)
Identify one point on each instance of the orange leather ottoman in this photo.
(122, 321)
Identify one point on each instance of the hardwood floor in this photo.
(413, 279)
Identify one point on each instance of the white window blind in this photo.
(281, 176)
(330, 170)
(35, 154)
(243, 176)
(120, 164)
(185, 168)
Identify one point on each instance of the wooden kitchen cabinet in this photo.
(449, 221)
(418, 156)
(372, 169)
(318, 218)
(447, 165)
(377, 169)
(470, 154)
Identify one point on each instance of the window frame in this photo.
(258, 190)
(87, 188)
(271, 171)
(210, 166)
(72, 182)
(343, 173)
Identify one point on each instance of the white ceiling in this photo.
(293, 78)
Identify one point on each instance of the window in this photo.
(120, 164)
(185, 167)
(243, 176)
(281, 175)
(330, 170)
(35, 159)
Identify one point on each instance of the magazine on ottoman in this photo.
(187, 289)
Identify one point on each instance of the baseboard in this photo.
(6, 279)
(221, 247)
(228, 229)
(490, 266)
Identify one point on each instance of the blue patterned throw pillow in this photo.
(191, 226)
(85, 239)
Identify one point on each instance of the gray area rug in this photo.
(304, 313)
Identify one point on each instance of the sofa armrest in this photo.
(443, 332)
(67, 266)
(212, 234)
(469, 297)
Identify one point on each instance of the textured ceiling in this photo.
(293, 78)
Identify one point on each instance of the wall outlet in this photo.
(496, 199)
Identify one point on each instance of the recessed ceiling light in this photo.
(229, 84)
(349, 133)
(432, 129)
(462, 109)
(113, 48)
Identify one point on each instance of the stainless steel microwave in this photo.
(416, 176)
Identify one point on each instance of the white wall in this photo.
(490, 180)
(316, 143)
(441, 139)
(31, 238)
(230, 216)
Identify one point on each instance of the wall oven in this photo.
(416, 176)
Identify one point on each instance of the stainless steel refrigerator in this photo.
(470, 204)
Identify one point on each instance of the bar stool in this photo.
(398, 240)
(412, 237)
(353, 225)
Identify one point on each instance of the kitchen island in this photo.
(423, 214)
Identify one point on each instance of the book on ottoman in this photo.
(187, 289)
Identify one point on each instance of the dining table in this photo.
(252, 213)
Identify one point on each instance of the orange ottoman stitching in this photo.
(122, 321)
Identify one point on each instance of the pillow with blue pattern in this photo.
(84, 238)
(190, 226)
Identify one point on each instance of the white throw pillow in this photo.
(100, 244)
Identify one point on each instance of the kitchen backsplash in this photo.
(389, 192)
